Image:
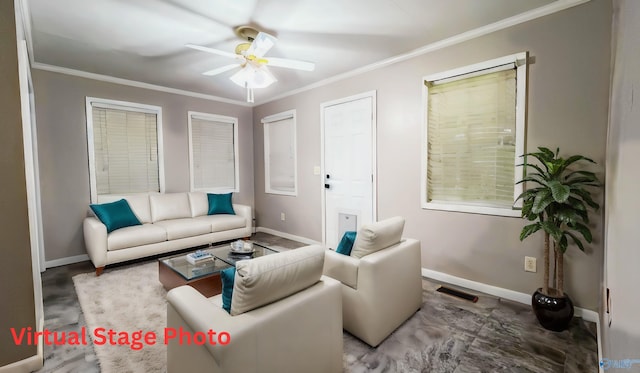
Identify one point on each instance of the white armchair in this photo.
(285, 317)
(381, 280)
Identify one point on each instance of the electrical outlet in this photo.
(530, 264)
(282, 217)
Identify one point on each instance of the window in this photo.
(474, 129)
(280, 153)
(125, 147)
(213, 153)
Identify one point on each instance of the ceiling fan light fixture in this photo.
(253, 77)
(251, 59)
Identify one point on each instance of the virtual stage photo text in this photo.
(135, 340)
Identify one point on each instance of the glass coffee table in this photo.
(175, 270)
(225, 254)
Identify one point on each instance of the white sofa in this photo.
(381, 280)
(170, 221)
(285, 317)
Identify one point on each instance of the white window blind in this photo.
(125, 145)
(213, 153)
(475, 133)
(280, 154)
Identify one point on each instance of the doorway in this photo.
(348, 128)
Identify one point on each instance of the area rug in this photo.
(126, 299)
(447, 334)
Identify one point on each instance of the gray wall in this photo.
(17, 308)
(622, 337)
(567, 107)
(62, 148)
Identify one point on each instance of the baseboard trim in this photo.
(65, 261)
(516, 296)
(289, 236)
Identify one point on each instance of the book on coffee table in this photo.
(199, 257)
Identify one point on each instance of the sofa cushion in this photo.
(139, 203)
(169, 206)
(135, 236)
(377, 236)
(266, 279)
(199, 203)
(115, 215)
(182, 228)
(220, 223)
(220, 204)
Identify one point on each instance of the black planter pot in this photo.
(553, 313)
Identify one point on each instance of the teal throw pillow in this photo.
(346, 243)
(220, 204)
(115, 215)
(228, 277)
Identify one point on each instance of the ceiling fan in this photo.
(250, 57)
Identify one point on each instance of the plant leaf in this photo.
(582, 180)
(575, 158)
(583, 173)
(562, 166)
(563, 244)
(536, 178)
(548, 153)
(576, 203)
(552, 229)
(586, 197)
(526, 208)
(559, 191)
(540, 156)
(542, 200)
(528, 230)
(576, 240)
(529, 194)
(534, 166)
(568, 215)
(584, 230)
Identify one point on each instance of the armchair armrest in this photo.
(95, 240)
(341, 267)
(245, 212)
(200, 314)
(386, 271)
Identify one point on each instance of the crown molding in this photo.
(134, 83)
(557, 6)
(542, 11)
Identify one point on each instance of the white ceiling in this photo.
(143, 40)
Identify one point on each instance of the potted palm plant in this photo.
(559, 205)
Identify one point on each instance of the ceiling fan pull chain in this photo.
(249, 93)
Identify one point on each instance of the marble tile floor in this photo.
(493, 335)
(447, 334)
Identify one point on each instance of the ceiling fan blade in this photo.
(220, 70)
(211, 50)
(291, 64)
(261, 45)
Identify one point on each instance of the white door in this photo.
(349, 164)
